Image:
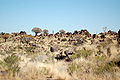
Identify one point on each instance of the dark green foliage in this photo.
(87, 33)
(81, 53)
(29, 49)
(10, 64)
(104, 68)
(64, 39)
(74, 68)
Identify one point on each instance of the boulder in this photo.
(54, 48)
(102, 36)
(60, 57)
(94, 36)
(51, 49)
(69, 52)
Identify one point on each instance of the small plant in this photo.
(104, 68)
(26, 38)
(74, 68)
(81, 53)
(100, 59)
(104, 29)
(64, 39)
(87, 33)
(10, 64)
(77, 43)
(5, 36)
(29, 49)
(104, 44)
(11, 50)
(2, 33)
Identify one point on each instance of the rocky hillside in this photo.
(61, 56)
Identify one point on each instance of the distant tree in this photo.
(5, 36)
(36, 30)
(2, 33)
(45, 31)
(75, 32)
(87, 33)
(104, 29)
(22, 33)
(62, 31)
(94, 36)
(52, 31)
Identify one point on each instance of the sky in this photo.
(70, 15)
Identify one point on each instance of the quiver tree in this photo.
(36, 30)
(104, 29)
(62, 31)
(5, 36)
(45, 31)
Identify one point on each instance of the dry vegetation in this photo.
(61, 56)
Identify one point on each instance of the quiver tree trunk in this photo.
(5, 39)
(36, 34)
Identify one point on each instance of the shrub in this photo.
(77, 43)
(87, 33)
(10, 64)
(74, 68)
(100, 59)
(81, 53)
(5, 36)
(26, 38)
(104, 68)
(64, 39)
(104, 44)
(2, 33)
(29, 49)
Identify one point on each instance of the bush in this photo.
(81, 53)
(104, 68)
(104, 44)
(26, 38)
(77, 43)
(5, 36)
(74, 68)
(64, 39)
(29, 49)
(100, 58)
(87, 33)
(10, 64)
